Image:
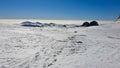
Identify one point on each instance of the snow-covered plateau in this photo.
(59, 47)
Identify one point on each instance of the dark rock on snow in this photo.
(94, 23)
(52, 24)
(38, 24)
(31, 24)
(86, 24)
(79, 42)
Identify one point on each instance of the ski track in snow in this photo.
(57, 47)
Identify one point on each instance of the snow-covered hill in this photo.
(59, 47)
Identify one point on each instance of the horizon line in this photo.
(57, 19)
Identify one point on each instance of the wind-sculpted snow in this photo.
(58, 47)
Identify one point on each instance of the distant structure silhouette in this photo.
(118, 18)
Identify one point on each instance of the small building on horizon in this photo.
(118, 19)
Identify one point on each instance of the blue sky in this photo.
(60, 9)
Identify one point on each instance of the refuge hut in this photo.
(118, 19)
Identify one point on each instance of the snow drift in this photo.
(56, 47)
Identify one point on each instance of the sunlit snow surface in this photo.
(59, 47)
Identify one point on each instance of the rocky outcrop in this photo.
(93, 23)
(85, 24)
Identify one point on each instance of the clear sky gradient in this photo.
(60, 9)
